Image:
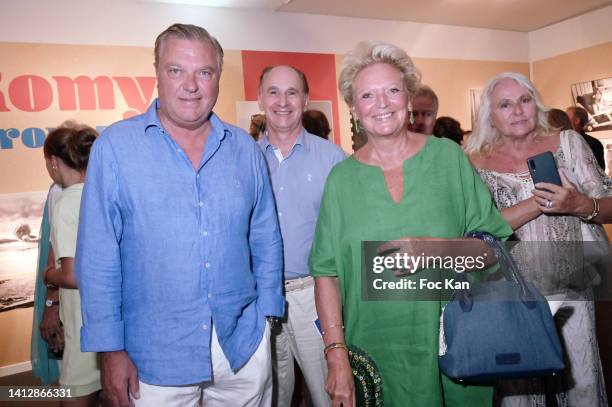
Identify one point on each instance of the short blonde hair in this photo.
(367, 53)
(485, 136)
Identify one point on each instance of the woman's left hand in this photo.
(564, 199)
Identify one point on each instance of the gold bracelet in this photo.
(332, 326)
(334, 345)
(593, 214)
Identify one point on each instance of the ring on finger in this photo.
(549, 204)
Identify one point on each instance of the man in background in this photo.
(299, 163)
(579, 119)
(424, 110)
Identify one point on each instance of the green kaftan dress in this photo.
(443, 197)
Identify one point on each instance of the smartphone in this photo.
(543, 168)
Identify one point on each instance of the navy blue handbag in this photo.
(498, 329)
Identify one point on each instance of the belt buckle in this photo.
(295, 284)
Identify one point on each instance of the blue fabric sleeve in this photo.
(266, 244)
(98, 262)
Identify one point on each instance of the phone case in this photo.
(543, 168)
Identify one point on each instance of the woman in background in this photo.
(559, 120)
(47, 333)
(257, 126)
(447, 127)
(513, 126)
(315, 122)
(66, 152)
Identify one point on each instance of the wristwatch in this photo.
(273, 322)
(50, 303)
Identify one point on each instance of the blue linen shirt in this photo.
(165, 250)
(298, 182)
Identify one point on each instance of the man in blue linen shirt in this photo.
(179, 249)
(299, 164)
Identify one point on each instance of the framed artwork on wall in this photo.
(595, 97)
(20, 218)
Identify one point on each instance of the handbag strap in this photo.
(507, 264)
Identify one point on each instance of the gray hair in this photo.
(187, 32)
(299, 73)
(485, 136)
(368, 53)
(426, 91)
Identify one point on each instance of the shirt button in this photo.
(205, 233)
(280, 214)
(209, 295)
(282, 188)
(207, 265)
(205, 327)
(200, 204)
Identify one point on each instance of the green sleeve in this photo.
(481, 214)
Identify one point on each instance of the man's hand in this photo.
(119, 379)
(51, 328)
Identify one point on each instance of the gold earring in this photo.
(356, 126)
(411, 117)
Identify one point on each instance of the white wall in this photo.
(576, 33)
(135, 23)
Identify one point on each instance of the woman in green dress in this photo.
(400, 185)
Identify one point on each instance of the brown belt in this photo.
(298, 283)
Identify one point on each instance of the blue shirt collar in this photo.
(301, 140)
(219, 129)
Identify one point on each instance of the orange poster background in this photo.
(128, 70)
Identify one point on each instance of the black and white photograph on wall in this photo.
(20, 218)
(596, 98)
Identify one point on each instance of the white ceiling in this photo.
(513, 15)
